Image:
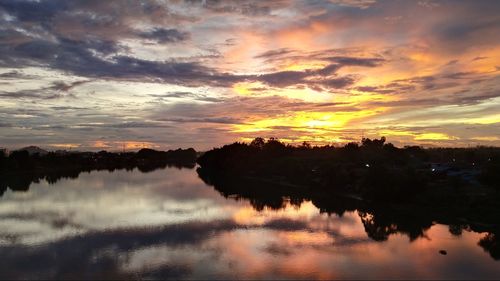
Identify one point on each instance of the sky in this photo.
(93, 75)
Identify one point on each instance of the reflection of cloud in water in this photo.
(107, 200)
(168, 224)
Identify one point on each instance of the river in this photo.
(169, 224)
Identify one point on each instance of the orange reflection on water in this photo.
(262, 253)
(249, 216)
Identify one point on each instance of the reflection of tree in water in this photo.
(335, 204)
(457, 229)
(380, 221)
(17, 175)
(491, 244)
(381, 225)
(375, 230)
(260, 195)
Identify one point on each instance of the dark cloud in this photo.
(320, 79)
(357, 61)
(34, 11)
(284, 78)
(57, 89)
(62, 108)
(337, 83)
(31, 94)
(465, 30)
(460, 75)
(125, 125)
(274, 53)
(475, 97)
(82, 39)
(427, 84)
(407, 102)
(329, 69)
(325, 78)
(25, 111)
(218, 120)
(479, 58)
(173, 95)
(373, 89)
(80, 58)
(192, 96)
(286, 224)
(243, 7)
(87, 45)
(50, 127)
(362, 4)
(16, 75)
(88, 58)
(162, 35)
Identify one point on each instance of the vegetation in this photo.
(19, 169)
(394, 190)
(373, 169)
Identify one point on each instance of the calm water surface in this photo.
(169, 224)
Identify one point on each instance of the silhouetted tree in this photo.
(305, 145)
(366, 142)
(258, 143)
(20, 169)
(3, 160)
(274, 147)
(351, 146)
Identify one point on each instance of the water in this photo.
(170, 224)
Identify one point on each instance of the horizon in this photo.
(136, 149)
(109, 75)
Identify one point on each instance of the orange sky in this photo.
(175, 73)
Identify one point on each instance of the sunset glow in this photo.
(164, 74)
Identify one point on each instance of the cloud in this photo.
(286, 224)
(125, 125)
(57, 89)
(284, 78)
(239, 110)
(244, 7)
(357, 61)
(274, 53)
(98, 59)
(218, 120)
(324, 78)
(155, 64)
(14, 74)
(187, 95)
(363, 4)
(85, 58)
(98, 53)
(476, 97)
(162, 35)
